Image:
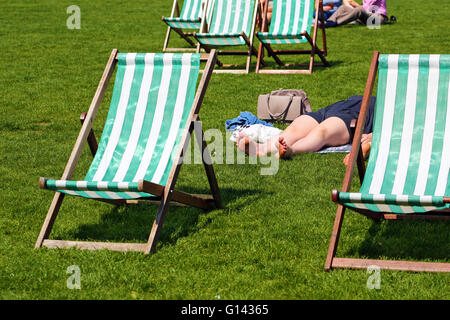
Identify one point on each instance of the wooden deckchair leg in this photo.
(207, 162)
(360, 157)
(166, 41)
(317, 50)
(92, 141)
(335, 237)
(50, 219)
(258, 60)
(271, 53)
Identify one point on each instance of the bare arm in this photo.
(351, 3)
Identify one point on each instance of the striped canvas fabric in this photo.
(190, 16)
(229, 19)
(408, 169)
(290, 18)
(150, 105)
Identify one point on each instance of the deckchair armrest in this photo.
(92, 141)
(335, 195)
(43, 183)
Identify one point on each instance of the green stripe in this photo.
(397, 126)
(441, 117)
(188, 105)
(121, 67)
(292, 16)
(419, 124)
(167, 118)
(148, 118)
(129, 118)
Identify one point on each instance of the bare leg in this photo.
(297, 130)
(330, 132)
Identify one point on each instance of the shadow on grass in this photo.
(318, 67)
(406, 240)
(133, 223)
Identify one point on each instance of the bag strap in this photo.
(283, 113)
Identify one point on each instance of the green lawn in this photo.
(271, 238)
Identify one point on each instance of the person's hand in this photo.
(366, 138)
(366, 142)
(328, 7)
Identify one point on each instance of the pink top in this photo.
(375, 6)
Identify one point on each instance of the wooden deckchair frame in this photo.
(184, 35)
(248, 42)
(315, 50)
(355, 157)
(165, 194)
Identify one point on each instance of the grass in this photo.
(271, 238)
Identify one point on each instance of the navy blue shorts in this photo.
(346, 110)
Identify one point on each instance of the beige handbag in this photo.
(283, 105)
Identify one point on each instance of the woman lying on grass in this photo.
(327, 127)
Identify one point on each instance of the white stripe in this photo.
(92, 194)
(81, 185)
(384, 207)
(355, 197)
(360, 205)
(157, 118)
(442, 182)
(176, 118)
(218, 16)
(430, 119)
(187, 13)
(134, 195)
(386, 129)
(195, 12)
(408, 125)
(296, 17)
(60, 184)
(119, 118)
(235, 27)
(407, 209)
(248, 16)
(426, 200)
(276, 29)
(139, 115)
(287, 17)
(430, 208)
(402, 199)
(103, 185)
(379, 198)
(113, 195)
(226, 25)
(306, 13)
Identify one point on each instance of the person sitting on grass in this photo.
(327, 127)
(329, 7)
(353, 11)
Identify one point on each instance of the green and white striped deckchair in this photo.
(189, 18)
(232, 23)
(151, 116)
(407, 175)
(291, 25)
